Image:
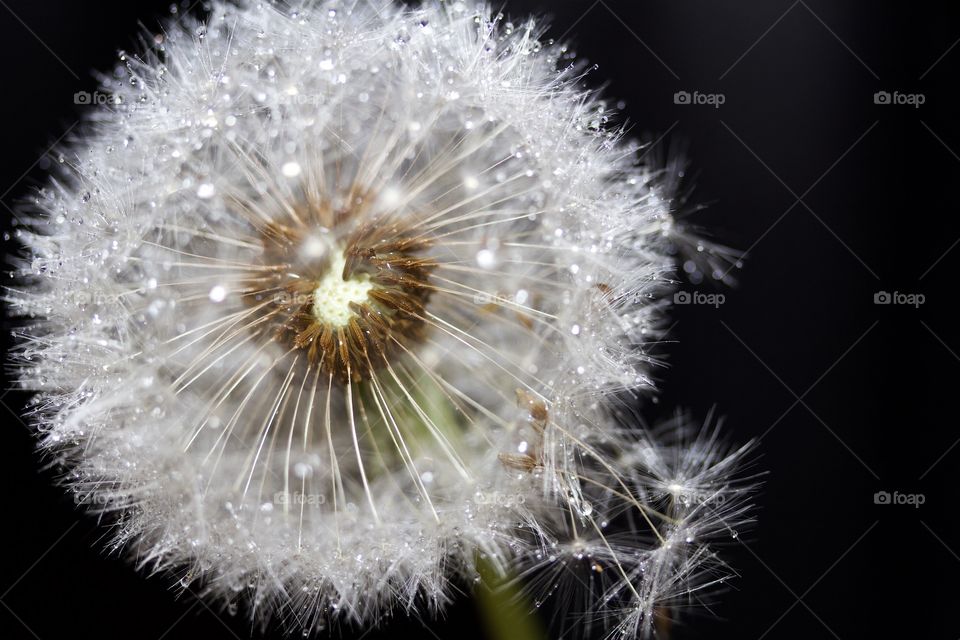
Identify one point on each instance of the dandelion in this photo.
(334, 304)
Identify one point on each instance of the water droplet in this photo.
(302, 470)
(486, 258)
(291, 169)
(218, 293)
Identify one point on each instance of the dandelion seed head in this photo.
(387, 273)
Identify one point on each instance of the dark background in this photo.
(835, 198)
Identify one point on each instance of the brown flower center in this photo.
(350, 294)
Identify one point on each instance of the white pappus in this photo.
(334, 302)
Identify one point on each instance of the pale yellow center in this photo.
(333, 295)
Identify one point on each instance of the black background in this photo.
(848, 397)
